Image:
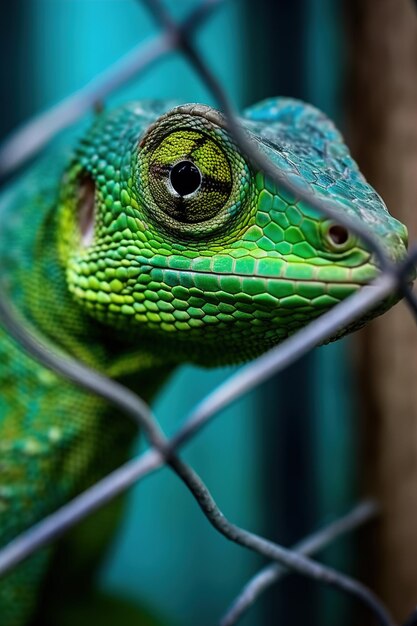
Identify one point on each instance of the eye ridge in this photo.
(185, 178)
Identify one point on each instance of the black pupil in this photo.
(185, 178)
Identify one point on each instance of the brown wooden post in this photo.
(382, 97)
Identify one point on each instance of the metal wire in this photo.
(284, 354)
(271, 574)
(27, 142)
(54, 525)
(34, 135)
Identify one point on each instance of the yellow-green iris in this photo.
(190, 177)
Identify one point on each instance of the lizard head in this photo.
(168, 233)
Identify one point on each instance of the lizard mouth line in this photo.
(317, 281)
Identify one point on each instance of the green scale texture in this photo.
(108, 259)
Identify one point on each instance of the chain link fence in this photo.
(163, 451)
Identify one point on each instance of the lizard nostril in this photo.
(338, 234)
(337, 237)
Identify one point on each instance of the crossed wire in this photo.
(25, 144)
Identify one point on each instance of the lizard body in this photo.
(151, 243)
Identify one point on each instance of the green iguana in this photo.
(151, 243)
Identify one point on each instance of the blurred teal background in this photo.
(281, 460)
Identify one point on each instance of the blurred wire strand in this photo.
(103, 491)
(271, 574)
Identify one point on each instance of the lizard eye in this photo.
(337, 237)
(191, 177)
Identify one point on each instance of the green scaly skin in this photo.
(108, 255)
